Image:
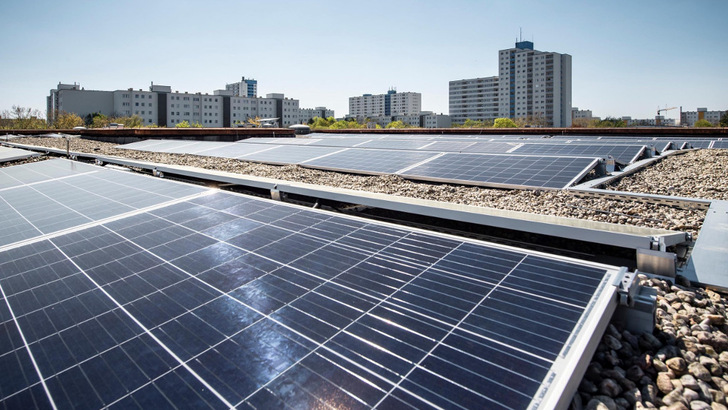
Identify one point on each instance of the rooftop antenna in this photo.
(520, 33)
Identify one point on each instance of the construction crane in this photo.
(659, 110)
(658, 120)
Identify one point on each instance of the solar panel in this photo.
(720, 144)
(370, 161)
(11, 154)
(491, 147)
(395, 144)
(504, 170)
(234, 150)
(223, 301)
(622, 153)
(289, 154)
(81, 194)
(700, 143)
(340, 142)
(278, 141)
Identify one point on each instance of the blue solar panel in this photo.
(623, 153)
(223, 301)
(504, 170)
(370, 161)
(81, 194)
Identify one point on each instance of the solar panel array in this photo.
(201, 298)
(505, 170)
(518, 170)
(12, 154)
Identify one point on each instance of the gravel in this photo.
(682, 364)
(556, 203)
(694, 174)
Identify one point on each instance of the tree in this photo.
(396, 124)
(504, 123)
(183, 124)
(724, 120)
(473, 124)
(703, 123)
(610, 122)
(98, 120)
(254, 121)
(66, 121)
(23, 118)
(134, 121)
(319, 123)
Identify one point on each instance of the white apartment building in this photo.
(408, 103)
(72, 98)
(533, 85)
(576, 114)
(243, 88)
(160, 106)
(475, 99)
(307, 114)
(391, 103)
(689, 118)
(658, 121)
(425, 119)
(432, 120)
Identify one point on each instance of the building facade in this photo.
(389, 104)
(160, 106)
(475, 99)
(531, 85)
(658, 121)
(307, 114)
(244, 88)
(71, 98)
(689, 118)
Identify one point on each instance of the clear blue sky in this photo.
(629, 57)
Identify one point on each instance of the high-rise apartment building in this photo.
(389, 104)
(532, 85)
(475, 99)
(244, 88)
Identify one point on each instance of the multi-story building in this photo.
(391, 103)
(688, 118)
(307, 114)
(532, 85)
(432, 120)
(475, 99)
(577, 114)
(425, 119)
(658, 121)
(159, 105)
(243, 88)
(71, 98)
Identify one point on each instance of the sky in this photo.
(629, 58)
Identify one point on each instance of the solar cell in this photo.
(81, 194)
(504, 170)
(12, 154)
(289, 154)
(395, 144)
(622, 153)
(720, 144)
(370, 161)
(222, 301)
